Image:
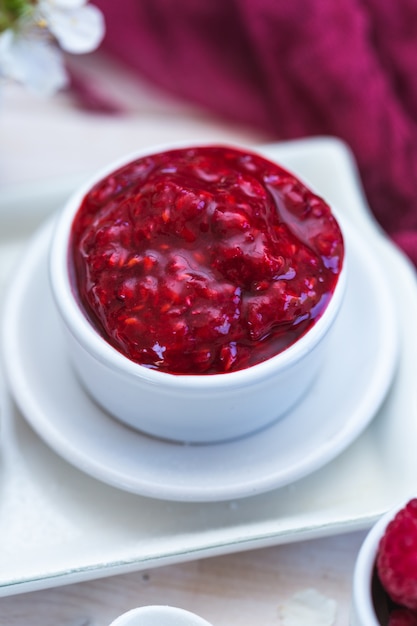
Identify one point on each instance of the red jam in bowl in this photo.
(203, 260)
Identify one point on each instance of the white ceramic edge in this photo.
(79, 325)
(362, 610)
(159, 615)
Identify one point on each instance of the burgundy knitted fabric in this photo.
(295, 69)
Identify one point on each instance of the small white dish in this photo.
(369, 605)
(341, 403)
(156, 615)
(184, 407)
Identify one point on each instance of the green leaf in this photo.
(12, 11)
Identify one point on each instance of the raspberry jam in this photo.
(203, 260)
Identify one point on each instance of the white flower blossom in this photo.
(77, 26)
(33, 62)
(29, 52)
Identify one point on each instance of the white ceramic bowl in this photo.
(159, 616)
(186, 408)
(368, 598)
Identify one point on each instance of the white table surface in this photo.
(47, 140)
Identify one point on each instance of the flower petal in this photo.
(62, 4)
(6, 41)
(34, 63)
(79, 30)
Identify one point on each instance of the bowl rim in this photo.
(160, 611)
(84, 332)
(363, 573)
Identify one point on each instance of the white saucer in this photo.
(344, 399)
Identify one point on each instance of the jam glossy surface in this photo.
(203, 260)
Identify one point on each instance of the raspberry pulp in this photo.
(402, 617)
(203, 260)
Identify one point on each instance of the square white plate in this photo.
(58, 525)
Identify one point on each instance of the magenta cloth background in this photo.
(294, 68)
